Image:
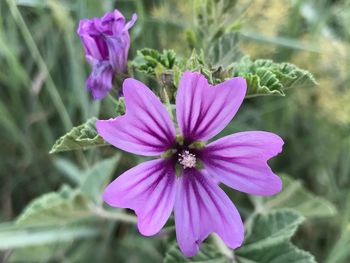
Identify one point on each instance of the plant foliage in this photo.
(81, 137)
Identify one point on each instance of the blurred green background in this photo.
(42, 87)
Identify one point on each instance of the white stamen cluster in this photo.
(187, 159)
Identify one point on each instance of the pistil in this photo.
(187, 159)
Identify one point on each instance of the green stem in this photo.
(114, 216)
(168, 104)
(114, 100)
(222, 247)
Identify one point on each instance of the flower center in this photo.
(187, 159)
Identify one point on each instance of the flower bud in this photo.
(106, 43)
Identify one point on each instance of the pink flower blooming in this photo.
(106, 42)
(155, 188)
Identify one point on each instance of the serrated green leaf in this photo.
(271, 229)
(79, 138)
(96, 177)
(280, 253)
(265, 77)
(292, 77)
(206, 254)
(56, 208)
(295, 196)
(268, 239)
(151, 61)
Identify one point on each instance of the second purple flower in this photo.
(106, 43)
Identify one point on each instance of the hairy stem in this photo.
(114, 216)
(223, 248)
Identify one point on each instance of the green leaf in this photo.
(56, 208)
(14, 236)
(151, 61)
(196, 62)
(268, 239)
(95, 178)
(41, 253)
(265, 77)
(206, 254)
(147, 252)
(280, 253)
(68, 169)
(213, 18)
(271, 229)
(81, 137)
(295, 196)
(32, 3)
(225, 50)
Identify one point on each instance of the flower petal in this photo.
(149, 189)
(94, 47)
(118, 48)
(240, 161)
(203, 110)
(100, 80)
(112, 18)
(201, 208)
(131, 23)
(145, 129)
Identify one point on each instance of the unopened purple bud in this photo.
(106, 43)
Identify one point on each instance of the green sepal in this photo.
(197, 145)
(178, 170)
(168, 153)
(199, 164)
(180, 139)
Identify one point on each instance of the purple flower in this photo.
(154, 188)
(106, 42)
